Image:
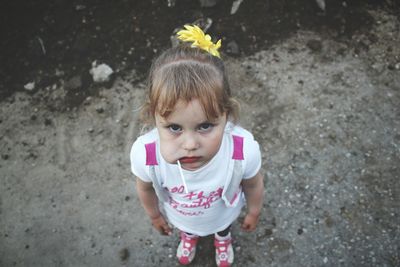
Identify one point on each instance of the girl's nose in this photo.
(190, 142)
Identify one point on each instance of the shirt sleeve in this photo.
(252, 157)
(138, 161)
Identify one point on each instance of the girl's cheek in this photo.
(167, 153)
(167, 135)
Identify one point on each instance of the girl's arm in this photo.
(253, 189)
(149, 201)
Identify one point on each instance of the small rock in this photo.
(124, 254)
(87, 100)
(74, 83)
(171, 3)
(391, 66)
(299, 231)
(101, 73)
(315, 45)
(321, 4)
(80, 7)
(208, 3)
(47, 122)
(232, 48)
(235, 6)
(59, 73)
(29, 86)
(100, 110)
(268, 232)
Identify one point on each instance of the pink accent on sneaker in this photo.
(187, 248)
(223, 252)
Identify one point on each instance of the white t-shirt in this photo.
(201, 211)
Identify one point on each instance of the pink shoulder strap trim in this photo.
(237, 147)
(151, 158)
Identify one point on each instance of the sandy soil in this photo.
(325, 111)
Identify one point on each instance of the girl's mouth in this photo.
(189, 159)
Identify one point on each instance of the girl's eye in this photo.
(175, 128)
(205, 127)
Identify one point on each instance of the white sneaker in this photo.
(187, 248)
(223, 251)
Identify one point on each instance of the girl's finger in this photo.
(166, 229)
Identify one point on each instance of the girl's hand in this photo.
(161, 225)
(254, 191)
(250, 222)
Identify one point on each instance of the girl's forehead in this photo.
(192, 110)
(193, 107)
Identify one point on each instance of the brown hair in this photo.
(187, 73)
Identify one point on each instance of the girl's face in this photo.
(188, 136)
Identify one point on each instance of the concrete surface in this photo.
(325, 112)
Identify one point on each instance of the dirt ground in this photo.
(323, 104)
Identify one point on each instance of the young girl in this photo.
(196, 169)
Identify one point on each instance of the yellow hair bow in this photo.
(203, 41)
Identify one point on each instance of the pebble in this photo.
(75, 83)
(315, 45)
(29, 86)
(299, 231)
(124, 254)
(47, 122)
(208, 3)
(101, 73)
(232, 48)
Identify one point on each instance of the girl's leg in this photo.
(224, 232)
